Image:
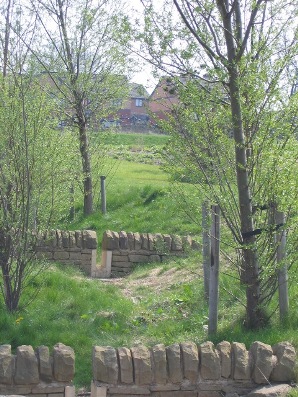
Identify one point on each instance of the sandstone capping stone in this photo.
(159, 244)
(190, 360)
(79, 238)
(6, 364)
(105, 364)
(151, 241)
(65, 239)
(45, 363)
(26, 372)
(186, 243)
(138, 242)
(125, 364)
(241, 363)
(123, 240)
(64, 362)
(110, 240)
(174, 363)
(142, 365)
(224, 349)
(131, 241)
(89, 239)
(167, 242)
(262, 362)
(210, 361)
(283, 370)
(145, 241)
(159, 359)
(176, 243)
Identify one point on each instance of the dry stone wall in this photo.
(121, 251)
(70, 248)
(37, 373)
(189, 370)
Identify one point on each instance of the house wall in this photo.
(190, 370)
(37, 373)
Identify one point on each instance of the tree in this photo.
(86, 66)
(32, 162)
(233, 56)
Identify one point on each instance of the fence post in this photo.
(103, 194)
(206, 246)
(283, 295)
(214, 270)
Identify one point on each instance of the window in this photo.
(139, 102)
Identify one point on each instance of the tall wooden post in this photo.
(103, 194)
(214, 270)
(282, 271)
(206, 246)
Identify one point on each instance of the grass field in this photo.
(157, 303)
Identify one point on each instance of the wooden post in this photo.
(103, 194)
(206, 246)
(283, 271)
(214, 270)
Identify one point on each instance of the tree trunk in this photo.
(86, 165)
(250, 268)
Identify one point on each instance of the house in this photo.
(133, 111)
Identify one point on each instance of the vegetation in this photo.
(157, 303)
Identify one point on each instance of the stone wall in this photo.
(121, 251)
(189, 370)
(70, 248)
(37, 373)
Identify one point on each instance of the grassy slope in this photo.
(80, 312)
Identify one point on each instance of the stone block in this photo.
(224, 349)
(179, 393)
(129, 391)
(177, 243)
(126, 366)
(210, 393)
(65, 239)
(210, 361)
(72, 239)
(167, 242)
(45, 363)
(190, 360)
(63, 362)
(70, 391)
(105, 364)
(89, 239)
(241, 367)
(262, 364)
(26, 372)
(61, 255)
(159, 364)
(151, 242)
(120, 258)
(123, 240)
(120, 265)
(138, 242)
(110, 240)
(59, 239)
(142, 365)
(174, 363)
(155, 258)
(139, 258)
(9, 390)
(6, 365)
(130, 241)
(98, 391)
(48, 388)
(145, 241)
(75, 256)
(186, 243)
(79, 238)
(167, 387)
(283, 370)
